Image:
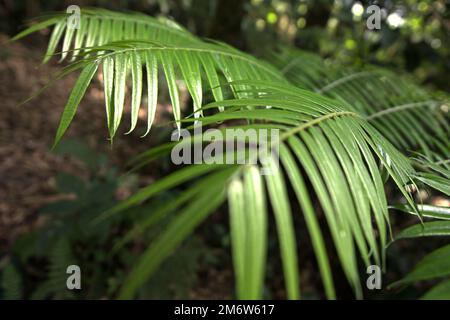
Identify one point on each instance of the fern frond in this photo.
(55, 286)
(11, 283)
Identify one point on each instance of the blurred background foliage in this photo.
(414, 34)
(36, 268)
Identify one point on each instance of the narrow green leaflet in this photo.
(248, 224)
(238, 232)
(136, 74)
(108, 86)
(285, 227)
(213, 78)
(439, 183)
(151, 65)
(190, 69)
(169, 71)
(311, 220)
(77, 93)
(36, 27)
(120, 74)
(427, 229)
(67, 42)
(255, 208)
(57, 33)
(425, 210)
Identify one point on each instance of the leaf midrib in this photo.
(316, 121)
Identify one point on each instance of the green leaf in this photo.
(36, 27)
(136, 74)
(427, 229)
(74, 100)
(80, 37)
(92, 33)
(152, 88)
(57, 33)
(190, 69)
(439, 183)
(108, 80)
(285, 227)
(434, 265)
(440, 291)
(311, 221)
(169, 72)
(120, 74)
(67, 41)
(238, 232)
(213, 78)
(426, 210)
(255, 207)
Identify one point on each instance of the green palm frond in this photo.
(99, 26)
(406, 114)
(124, 44)
(190, 63)
(338, 151)
(329, 138)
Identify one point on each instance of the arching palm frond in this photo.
(149, 44)
(405, 113)
(97, 27)
(337, 150)
(199, 65)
